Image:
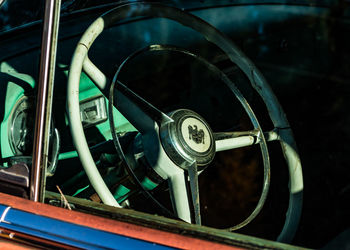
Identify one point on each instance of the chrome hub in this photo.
(188, 139)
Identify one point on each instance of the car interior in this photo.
(226, 114)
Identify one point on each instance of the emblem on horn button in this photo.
(195, 135)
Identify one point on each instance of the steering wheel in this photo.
(183, 141)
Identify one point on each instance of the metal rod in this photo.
(44, 97)
(231, 140)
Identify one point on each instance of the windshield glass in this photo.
(15, 13)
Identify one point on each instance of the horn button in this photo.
(188, 139)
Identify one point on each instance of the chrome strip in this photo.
(2, 219)
(44, 97)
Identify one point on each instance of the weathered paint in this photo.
(111, 226)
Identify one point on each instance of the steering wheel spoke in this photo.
(137, 109)
(193, 176)
(95, 74)
(142, 114)
(239, 139)
(178, 191)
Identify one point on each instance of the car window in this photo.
(213, 113)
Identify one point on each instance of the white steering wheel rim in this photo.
(77, 131)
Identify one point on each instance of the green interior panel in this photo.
(13, 86)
